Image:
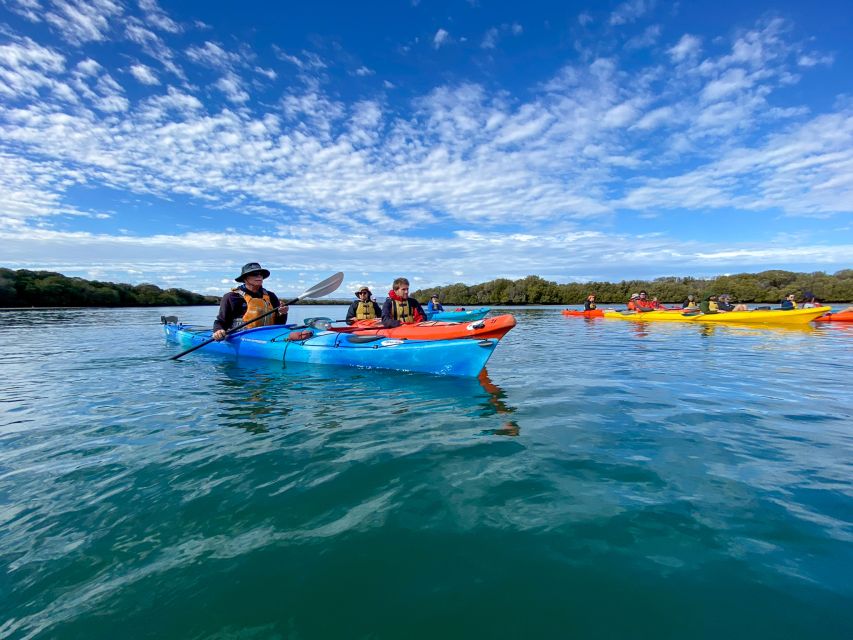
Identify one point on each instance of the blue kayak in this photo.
(288, 343)
(459, 316)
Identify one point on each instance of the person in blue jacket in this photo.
(434, 305)
(789, 303)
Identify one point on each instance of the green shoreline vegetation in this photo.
(767, 286)
(25, 288)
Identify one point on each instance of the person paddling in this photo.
(248, 301)
(434, 306)
(632, 303)
(725, 304)
(363, 308)
(709, 305)
(399, 308)
(642, 303)
(589, 304)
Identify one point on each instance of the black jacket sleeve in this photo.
(388, 320)
(352, 310)
(227, 311)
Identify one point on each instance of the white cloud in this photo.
(441, 37)
(656, 117)
(677, 135)
(492, 35)
(364, 71)
(630, 11)
(490, 40)
(207, 257)
(156, 17)
(29, 9)
(619, 116)
(648, 38)
(152, 45)
(213, 55)
(732, 81)
(688, 46)
(267, 73)
(27, 67)
(81, 22)
(811, 60)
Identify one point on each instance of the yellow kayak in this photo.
(764, 316)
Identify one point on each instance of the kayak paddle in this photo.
(320, 289)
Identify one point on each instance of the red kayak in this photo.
(495, 327)
(843, 316)
(595, 313)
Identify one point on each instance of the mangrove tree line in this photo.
(767, 286)
(23, 288)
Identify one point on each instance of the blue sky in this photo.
(447, 141)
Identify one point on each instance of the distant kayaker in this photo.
(248, 301)
(363, 308)
(690, 303)
(709, 304)
(632, 303)
(812, 303)
(725, 304)
(434, 306)
(642, 303)
(789, 303)
(589, 305)
(399, 308)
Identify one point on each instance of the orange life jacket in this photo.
(255, 307)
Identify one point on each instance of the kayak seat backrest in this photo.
(169, 319)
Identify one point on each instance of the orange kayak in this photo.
(495, 327)
(844, 316)
(595, 313)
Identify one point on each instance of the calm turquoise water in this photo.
(607, 480)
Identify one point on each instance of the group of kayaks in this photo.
(757, 316)
(433, 346)
(453, 343)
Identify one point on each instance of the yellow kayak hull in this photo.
(772, 316)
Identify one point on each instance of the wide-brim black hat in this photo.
(251, 267)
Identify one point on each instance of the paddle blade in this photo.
(321, 288)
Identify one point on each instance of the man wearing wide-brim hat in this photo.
(247, 302)
(363, 308)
